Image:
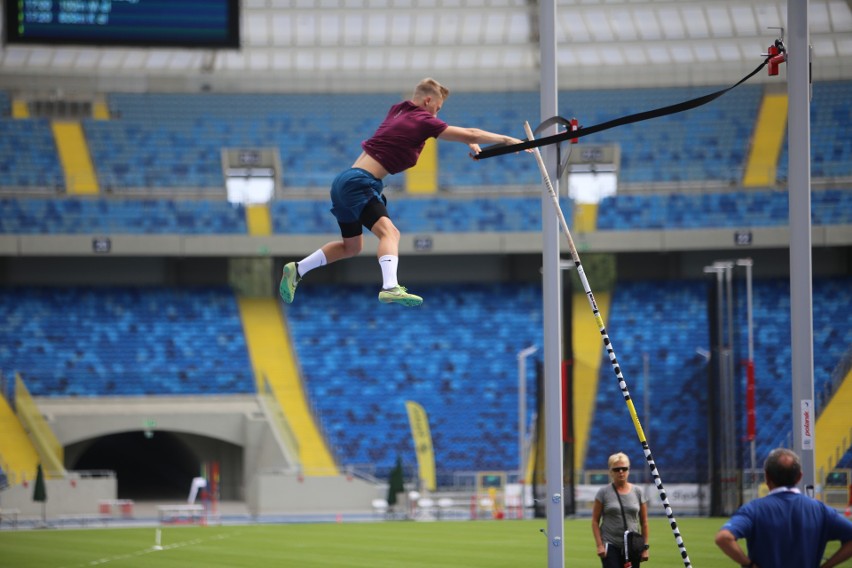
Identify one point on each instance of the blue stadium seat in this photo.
(174, 140)
(716, 210)
(5, 105)
(668, 321)
(831, 143)
(456, 356)
(124, 341)
(296, 216)
(28, 156)
(120, 216)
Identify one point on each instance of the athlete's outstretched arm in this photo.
(474, 136)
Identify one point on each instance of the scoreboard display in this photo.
(148, 23)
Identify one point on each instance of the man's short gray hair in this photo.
(783, 467)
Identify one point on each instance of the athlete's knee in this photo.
(385, 229)
(393, 233)
(351, 247)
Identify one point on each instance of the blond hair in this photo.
(619, 457)
(430, 87)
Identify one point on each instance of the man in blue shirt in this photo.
(785, 528)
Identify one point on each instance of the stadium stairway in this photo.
(20, 109)
(258, 220)
(833, 428)
(762, 165)
(423, 177)
(51, 454)
(587, 345)
(272, 357)
(585, 217)
(18, 453)
(80, 178)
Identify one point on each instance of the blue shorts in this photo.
(351, 191)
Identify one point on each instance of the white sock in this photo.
(388, 264)
(314, 260)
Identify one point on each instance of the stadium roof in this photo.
(386, 44)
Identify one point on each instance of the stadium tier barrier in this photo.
(145, 216)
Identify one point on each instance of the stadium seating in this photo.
(831, 145)
(668, 321)
(457, 356)
(28, 156)
(174, 140)
(114, 341)
(432, 214)
(717, 210)
(707, 143)
(120, 216)
(302, 216)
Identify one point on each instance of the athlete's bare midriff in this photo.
(367, 162)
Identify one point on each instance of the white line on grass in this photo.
(149, 550)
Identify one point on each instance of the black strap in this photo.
(623, 516)
(501, 149)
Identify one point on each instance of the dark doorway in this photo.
(157, 467)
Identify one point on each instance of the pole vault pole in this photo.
(611, 352)
(551, 297)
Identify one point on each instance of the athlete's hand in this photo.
(511, 141)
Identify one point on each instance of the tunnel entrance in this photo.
(147, 468)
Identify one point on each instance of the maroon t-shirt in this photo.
(398, 141)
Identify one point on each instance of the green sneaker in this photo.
(289, 280)
(399, 295)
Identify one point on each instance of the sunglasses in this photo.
(620, 469)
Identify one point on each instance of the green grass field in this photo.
(461, 544)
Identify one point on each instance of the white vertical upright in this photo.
(748, 264)
(552, 298)
(522, 412)
(799, 190)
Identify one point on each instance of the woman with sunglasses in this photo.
(615, 505)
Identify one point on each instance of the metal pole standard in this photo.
(551, 287)
(610, 352)
(799, 190)
(646, 395)
(732, 489)
(522, 411)
(716, 458)
(750, 386)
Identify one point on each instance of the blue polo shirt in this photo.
(786, 528)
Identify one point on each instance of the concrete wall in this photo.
(72, 496)
(289, 493)
(441, 243)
